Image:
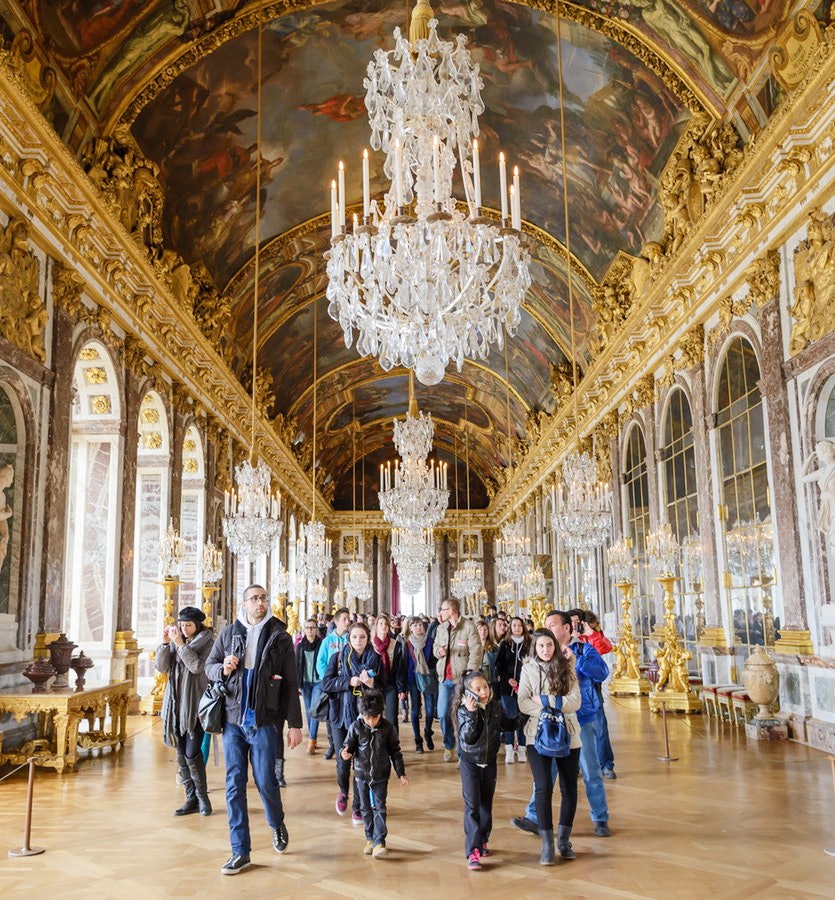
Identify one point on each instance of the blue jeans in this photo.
(431, 703)
(311, 691)
(592, 779)
(604, 745)
(240, 744)
(373, 796)
(446, 697)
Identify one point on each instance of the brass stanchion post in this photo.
(26, 850)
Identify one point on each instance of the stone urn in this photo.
(60, 654)
(79, 664)
(39, 672)
(762, 682)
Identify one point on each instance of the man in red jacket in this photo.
(587, 629)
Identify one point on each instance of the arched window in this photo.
(636, 527)
(679, 467)
(93, 511)
(192, 517)
(746, 505)
(12, 460)
(152, 486)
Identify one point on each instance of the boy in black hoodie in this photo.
(373, 743)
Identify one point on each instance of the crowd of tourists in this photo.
(491, 683)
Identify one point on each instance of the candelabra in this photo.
(626, 678)
(212, 569)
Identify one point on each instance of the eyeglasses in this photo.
(256, 597)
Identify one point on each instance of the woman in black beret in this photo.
(182, 655)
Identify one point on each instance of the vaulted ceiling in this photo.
(182, 76)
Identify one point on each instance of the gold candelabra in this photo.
(672, 689)
(280, 607)
(698, 590)
(208, 591)
(152, 703)
(627, 678)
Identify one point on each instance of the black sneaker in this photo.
(280, 838)
(235, 863)
(430, 744)
(329, 753)
(601, 829)
(525, 824)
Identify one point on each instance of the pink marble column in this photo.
(130, 434)
(57, 474)
(783, 497)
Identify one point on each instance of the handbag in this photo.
(211, 710)
(321, 708)
(552, 738)
(426, 684)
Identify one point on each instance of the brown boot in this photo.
(311, 747)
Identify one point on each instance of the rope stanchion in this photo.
(666, 757)
(26, 849)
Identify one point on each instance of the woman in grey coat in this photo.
(182, 655)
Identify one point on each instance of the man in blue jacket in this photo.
(590, 669)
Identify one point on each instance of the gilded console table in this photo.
(59, 716)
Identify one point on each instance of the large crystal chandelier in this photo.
(415, 494)
(467, 580)
(412, 550)
(423, 281)
(315, 556)
(251, 522)
(582, 505)
(358, 581)
(533, 583)
(513, 551)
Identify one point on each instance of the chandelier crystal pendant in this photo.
(252, 513)
(513, 551)
(423, 281)
(414, 494)
(582, 505)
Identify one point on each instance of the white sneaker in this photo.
(508, 754)
(521, 754)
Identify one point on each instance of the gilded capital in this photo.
(67, 287)
(763, 277)
(692, 346)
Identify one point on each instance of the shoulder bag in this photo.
(321, 708)
(211, 710)
(552, 738)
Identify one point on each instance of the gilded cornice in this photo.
(752, 213)
(71, 223)
(167, 69)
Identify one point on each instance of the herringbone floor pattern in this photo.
(730, 819)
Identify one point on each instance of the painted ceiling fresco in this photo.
(621, 123)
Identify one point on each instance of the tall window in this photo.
(12, 459)
(192, 517)
(152, 485)
(636, 527)
(679, 467)
(92, 519)
(746, 504)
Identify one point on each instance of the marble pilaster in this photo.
(783, 498)
(57, 474)
(127, 537)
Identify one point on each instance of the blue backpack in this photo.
(552, 738)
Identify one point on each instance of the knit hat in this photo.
(191, 614)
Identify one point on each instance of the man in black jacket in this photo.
(254, 658)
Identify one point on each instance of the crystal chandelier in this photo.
(467, 580)
(513, 551)
(282, 581)
(357, 581)
(582, 505)
(412, 550)
(416, 495)
(533, 583)
(621, 563)
(211, 563)
(423, 281)
(315, 557)
(663, 549)
(251, 524)
(172, 551)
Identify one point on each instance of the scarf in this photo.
(418, 645)
(382, 647)
(253, 635)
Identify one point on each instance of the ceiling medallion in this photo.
(421, 281)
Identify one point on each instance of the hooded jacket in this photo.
(274, 683)
(336, 682)
(375, 750)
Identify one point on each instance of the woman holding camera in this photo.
(182, 656)
(355, 668)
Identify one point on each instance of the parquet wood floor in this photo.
(730, 819)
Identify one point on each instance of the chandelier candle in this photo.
(366, 187)
(334, 211)
(476, 177)
(503, 185)
(342, 195)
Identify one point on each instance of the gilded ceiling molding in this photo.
(761, 201)
(668, 70)
(69, 220)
